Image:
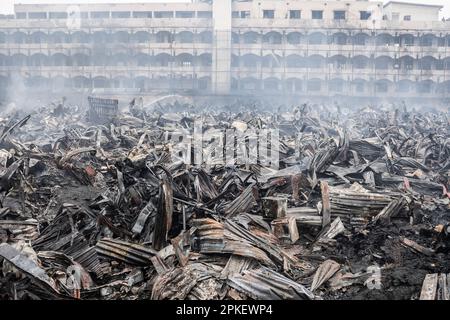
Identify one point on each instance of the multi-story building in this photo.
(293, 47)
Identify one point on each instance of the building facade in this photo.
(262, 47)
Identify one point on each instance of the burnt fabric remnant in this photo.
(114, 203)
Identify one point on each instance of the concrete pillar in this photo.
(221, 58)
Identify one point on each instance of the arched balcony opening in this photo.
(205, 60)
(444, 87)
(101, 60)
(81, 60)
(250, 60)
(19, 37)
(428, 63)
(405, 86)
(101, 83)
(383, 63)
(336, 85)
(60, 83)
(81, 37)
(141, 37)
(385, 39)
(295, 61)
(338, 62)
(100, 37)
(163, 37)
(143, 60)
(425, 87)
(60, 60)
(446, 63)
(361, 39)
(294, 38)
(120, 60)
(359, 86)
(4, 60)
(293, 85)
(317, 38)
(205, 37)
(19, 60)
(406, 40)
(427, 40)
(38, 37)
(361, 62)
(163, 60)
(37, 82)
(272, 37)
(339, 39)
(271, 61)
(315, 62)
(272, 85)
(235, 38)
(142, 83)
(383, 85)
(406, 63)
(120, 37)
(81, 82)
(59, 37)
(184, 60)
(250, 37)
(249, 84)
(204, 83)
(122, 83)
(2, 37)
(314, 85)
(184, 37)
(234, 61)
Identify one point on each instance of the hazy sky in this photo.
(6, 6)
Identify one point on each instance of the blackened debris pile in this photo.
(357, 206)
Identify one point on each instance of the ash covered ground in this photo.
(349, 203)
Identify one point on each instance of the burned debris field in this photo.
(109, 203)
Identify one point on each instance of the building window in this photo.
(100, 15)
(58, 15)
(84, 15)
(395, 16)
(364, 15)
(268, 14)
(37, 15)
(163, 14)
(245, 14)
(142, 14)
(185, 14)
(339, 15)
(121, 14)
(6, 16)
(407, 18)
(235, 14)
(295, 14)
(204, 14)
(21, 15)
(317, 14)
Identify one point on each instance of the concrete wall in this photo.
(398, 11)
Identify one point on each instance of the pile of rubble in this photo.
(358, 208)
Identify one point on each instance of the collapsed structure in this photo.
(105, 208)
(304, 48)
